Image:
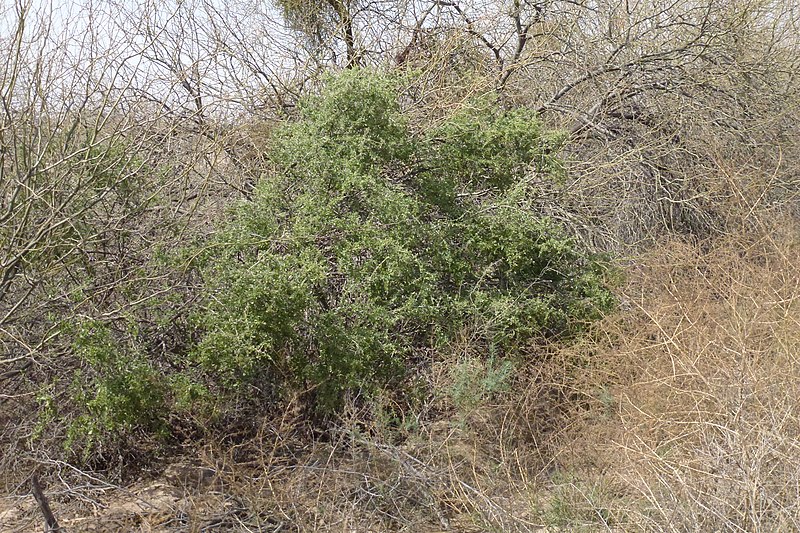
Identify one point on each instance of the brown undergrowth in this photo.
(690, 419)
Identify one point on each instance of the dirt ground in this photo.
(186, 499)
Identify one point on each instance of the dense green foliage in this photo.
(124, 391)
(369, 244)
(369, 248)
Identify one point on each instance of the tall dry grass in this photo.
(689, 402)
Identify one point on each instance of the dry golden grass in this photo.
(690, 399)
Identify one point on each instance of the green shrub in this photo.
(368, 245)
(474, 381)
(120, 388)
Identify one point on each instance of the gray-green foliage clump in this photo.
(118, 390)
(369, 244)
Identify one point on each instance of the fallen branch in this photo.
(51, 525)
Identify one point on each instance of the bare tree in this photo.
(654, 94)
(89, 183)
